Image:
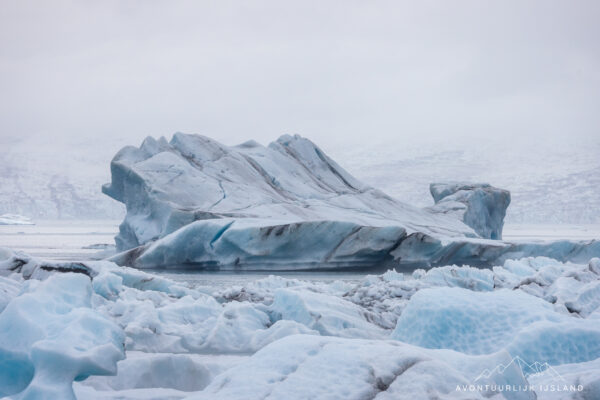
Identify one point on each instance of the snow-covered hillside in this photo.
(549, 182)
(42, 178)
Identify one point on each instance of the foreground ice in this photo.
(309, 367)
(449, 332)
(14, 219)
(50, 336)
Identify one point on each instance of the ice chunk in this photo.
(15, 219)
(480, 205)
(568, 382)
(569, 341)
(301, 367)
(49, 337)
(466, 321)
(184, 372)
(486, 322)
(328, 315)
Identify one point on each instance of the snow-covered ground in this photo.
(511, 332)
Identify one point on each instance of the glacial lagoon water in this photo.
(84, 239)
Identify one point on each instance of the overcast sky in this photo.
(334, 71)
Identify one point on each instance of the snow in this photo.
(194, 201)
(122, 333)
(15, 219)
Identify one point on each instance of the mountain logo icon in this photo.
(527, 369)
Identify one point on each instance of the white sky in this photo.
(334, 71)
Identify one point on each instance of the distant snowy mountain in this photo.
(45, 179)
(549, 182)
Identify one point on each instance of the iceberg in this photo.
(15, 219)
(194, 201)
(480, 206)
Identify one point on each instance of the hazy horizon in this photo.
(389, 72)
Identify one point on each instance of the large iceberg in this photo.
(194, 201)
(287, 203)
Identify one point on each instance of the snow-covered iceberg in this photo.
(194, 201)
(15, 219)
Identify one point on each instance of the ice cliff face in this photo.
(194, 201)
(480, 206)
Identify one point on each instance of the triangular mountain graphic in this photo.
(536, 368)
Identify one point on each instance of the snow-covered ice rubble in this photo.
(194, 201)
(446, 333)
(15, 219)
